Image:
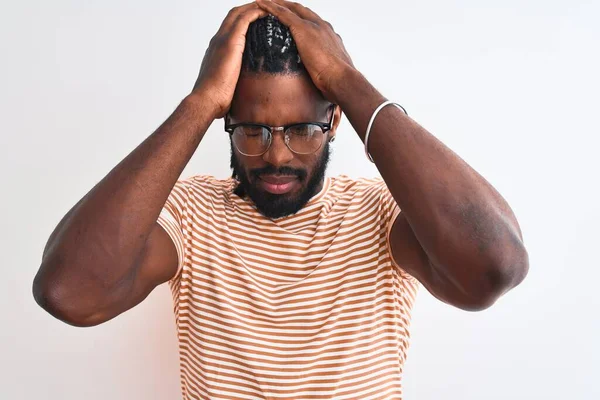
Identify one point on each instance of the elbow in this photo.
(500, 278)
(510, 271)
(51, 297)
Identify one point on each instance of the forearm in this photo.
(95, 245)
(463, 224)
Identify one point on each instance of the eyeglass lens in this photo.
(255, 140)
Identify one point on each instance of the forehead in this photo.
(277, 100)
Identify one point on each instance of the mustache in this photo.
(271, 170)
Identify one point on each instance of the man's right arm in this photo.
(108, 252)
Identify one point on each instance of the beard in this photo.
(279, 205)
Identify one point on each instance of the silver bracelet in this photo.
(385, 103)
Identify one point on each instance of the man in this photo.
(287, 284)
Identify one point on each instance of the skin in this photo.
(108, 252)
(455, 233)
(277, 101)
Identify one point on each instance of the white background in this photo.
(511, 86)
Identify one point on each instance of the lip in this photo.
(278, 184)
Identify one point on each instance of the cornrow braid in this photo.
(270, 48)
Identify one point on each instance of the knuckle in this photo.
(233, 10)
(249, 10)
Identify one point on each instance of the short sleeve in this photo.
(389, 212)
(389, 208)
(172, 219)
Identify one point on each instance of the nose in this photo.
(278, 153)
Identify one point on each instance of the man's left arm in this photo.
(455, 233)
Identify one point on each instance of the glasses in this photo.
(300, 138)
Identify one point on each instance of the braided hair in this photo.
(270, 48)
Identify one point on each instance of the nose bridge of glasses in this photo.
(286, 137)
(274, 137)
(277, 151)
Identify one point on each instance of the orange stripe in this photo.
(252, 294)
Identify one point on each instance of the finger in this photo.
(302, 11)
(284, 14)
(234, 14)
(243, 21)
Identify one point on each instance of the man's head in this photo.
(274, 89)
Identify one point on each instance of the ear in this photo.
(337, 118)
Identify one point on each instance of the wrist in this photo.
(344, 78)
(355, 94)
(201, 104)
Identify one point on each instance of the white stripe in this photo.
(212, 330)
(270, 362)
(270, 305)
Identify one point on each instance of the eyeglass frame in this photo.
(325, 127)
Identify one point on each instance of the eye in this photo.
(250, 131)
(304, 130)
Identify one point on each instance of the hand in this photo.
(321, 49)
(222, 63)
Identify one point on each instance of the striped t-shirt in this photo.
(308, 306)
